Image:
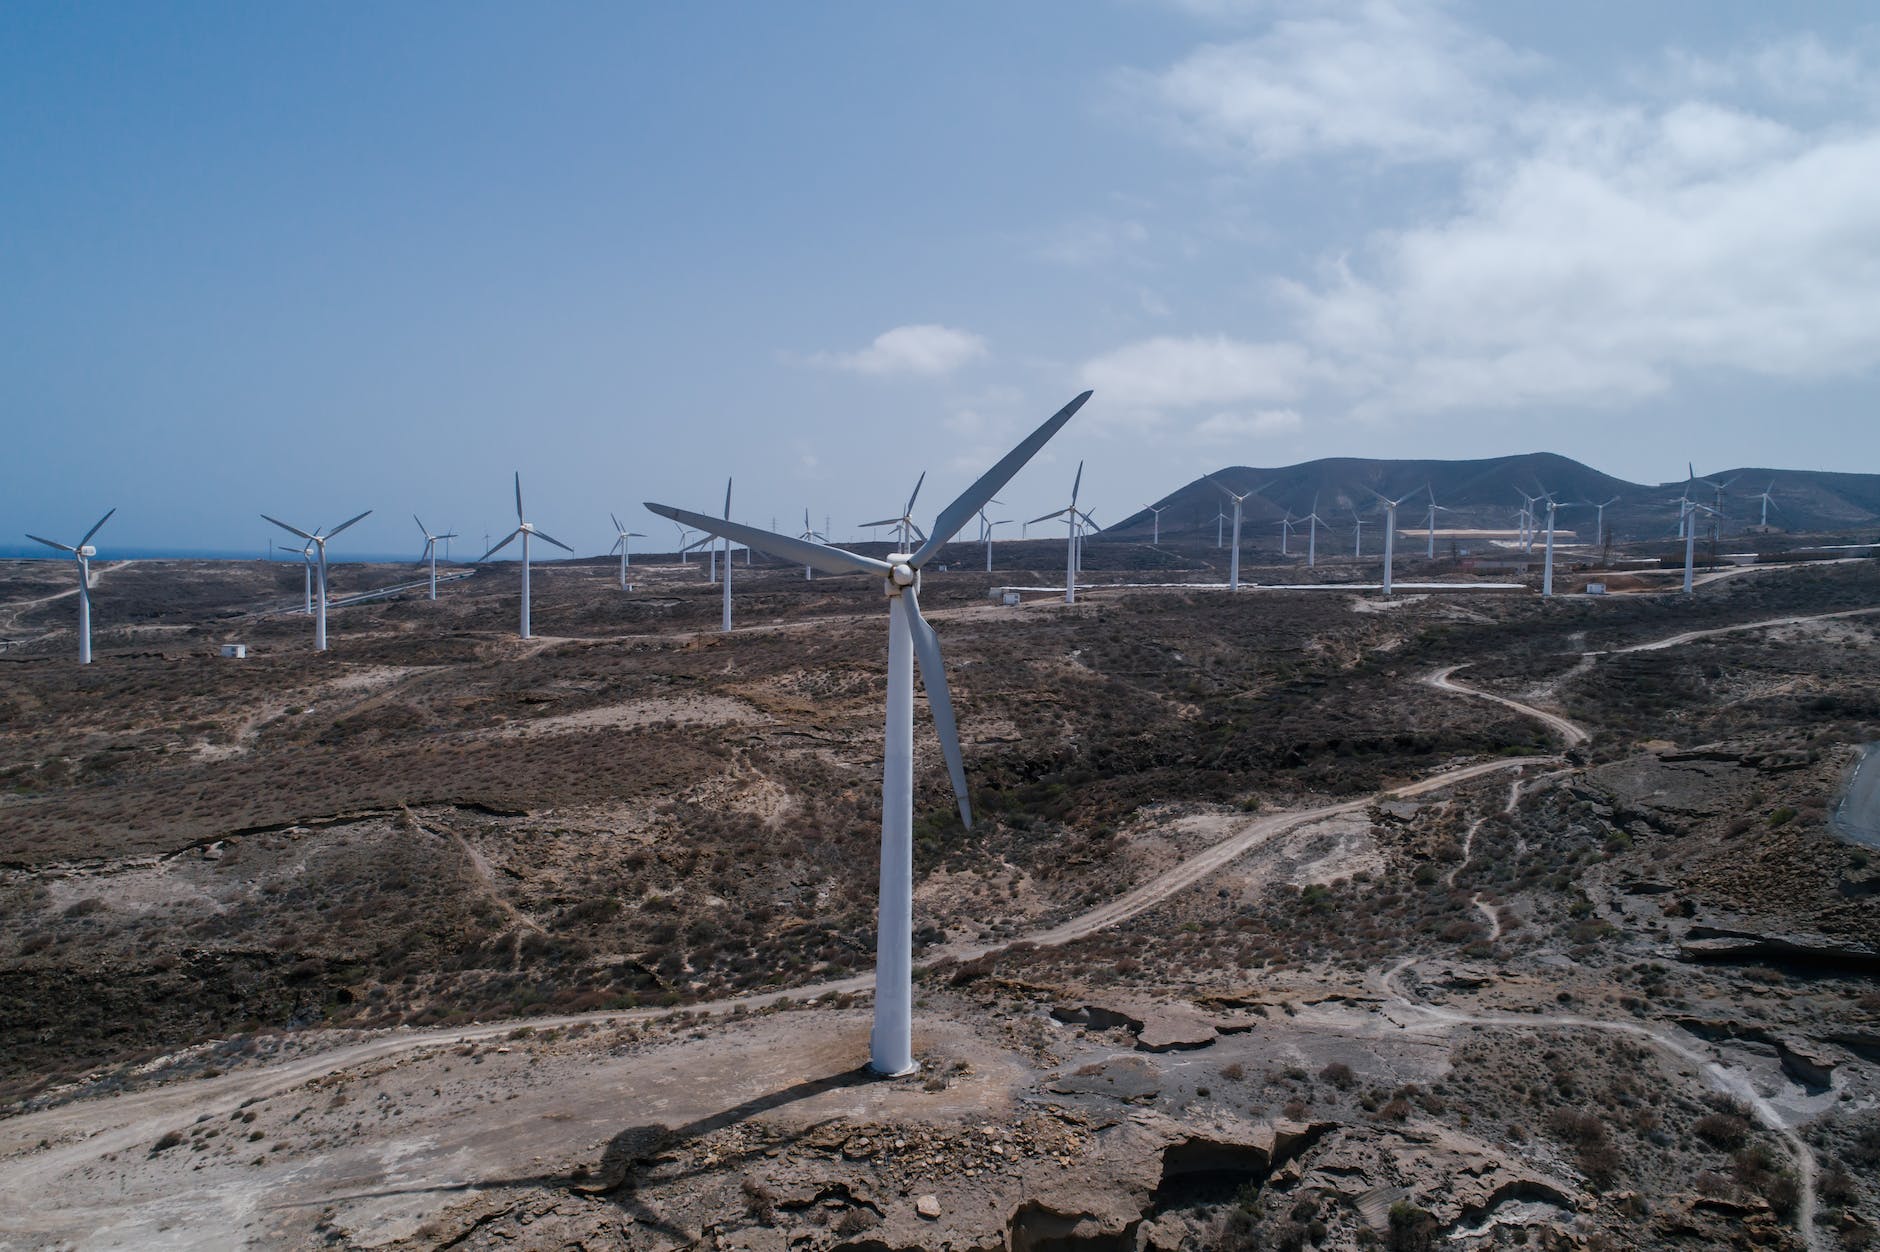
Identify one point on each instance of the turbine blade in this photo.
(542, 534)
(284, 526)
(499, 547)
(422, 528)
(519, 516)
(887, 521)
(1077, 483)
(727, 498)
(95, 529)
(349, 521)
(616, 546)
(909, 510)
(955, 515)
(933, 676)
(617, 526)
(1047, 517)
(830, 560)
(50, 544)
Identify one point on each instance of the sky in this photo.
(313, 259)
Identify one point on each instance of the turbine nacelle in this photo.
(902, 572)
(87, 551)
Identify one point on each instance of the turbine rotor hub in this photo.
(88, 551)
(902, 575)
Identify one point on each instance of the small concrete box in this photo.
(237, 650)
(1595, 589)
(1010, 599)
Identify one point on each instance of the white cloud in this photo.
(1176, 373)
(924, 350)
(1403, 81)
(1593, 252)
(1234, 427)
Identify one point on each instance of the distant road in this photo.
(1857, 816)
(1571, 732)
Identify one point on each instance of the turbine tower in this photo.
(623, 542)
(1285, 532)
(1074, 519)
(1357, 531)
(725, 615)
(986, 527)
(1233, 557)
(811, 535)
(905, 523)
(430, 550)
(1313, 522)
(1599, 523)
(1687, 527)
(1547, 564)
(1156, 525)
(909, 636)
(1390, 530)
(1429, 551)
(527, 530)
(82, 553)
(1767, 502)
(318, 541)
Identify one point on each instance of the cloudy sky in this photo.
(314, 259)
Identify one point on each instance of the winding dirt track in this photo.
(1690, 635)
(1571, 732)
(1721, 1076)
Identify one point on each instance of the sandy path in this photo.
(1690, 635)
(1721, 1076)
(1571, 732)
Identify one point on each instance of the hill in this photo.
(1487, 493)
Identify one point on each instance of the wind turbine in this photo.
(1599, 523)
(623, 541)
(1766, 503)
(1285, 532)
(1429, 551)
(430, 550)
(986, 527)
(909, 635)
(1687, 526)
(1357, 542)
(318, 541)
(812, 535)
(1233, 557)
(905, 522)
(1074, 519)
(1529, 519)
(1313, 521)
(1547, 564)
(1156, 524)
(82, 553)
(306, 561)
(527, 530)
(726, 611)
(1390, 530)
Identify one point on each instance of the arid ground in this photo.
(1291, 918)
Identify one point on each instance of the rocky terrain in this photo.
(1288, 922)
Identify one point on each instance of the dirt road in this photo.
(1571, 732)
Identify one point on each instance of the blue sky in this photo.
(314, 259)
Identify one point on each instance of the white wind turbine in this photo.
(1687, 527)
(1357, 531)
(1429, 551)
(811, 535)
(82, 553)
(623, 543)
(527, 530)
(318, 542)
(306, 561)
(1529, 520)
(1599, 523)
(1074, 519)
(1156, 524)
(1547, 564)
(1285, 533)
(909, 636)
(1390, 530)
(905, 523)
(430, 550)
(725, 590)
(1767, 502)
(1233, 556)
(986, 527)
(1313, 522)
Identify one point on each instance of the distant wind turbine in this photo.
(1687, 526)
(319, 542)
(1767, 502)
(1547, 563)
(1074, 519)
(909, 636)
(810, 535)
(623, 542)
(430, 550)
(1313, 522)
(1357, 533)
(986, 527)
(1429, 551)
(1233, 556)
(1599, 523)
(82, 553)
(1156, 525)
(905, 523)
(527, 530)
(1390, 530)
(1285, 533)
